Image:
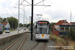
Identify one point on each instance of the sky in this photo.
(59, 10)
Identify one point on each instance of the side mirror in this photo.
(36, 26)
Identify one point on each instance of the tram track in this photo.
(20, 40)
(44, 45)
(22, 43)
(35, 45)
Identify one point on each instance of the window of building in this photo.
(66, 28)
(74, 28)
(62, 28)
(65, 21)
(56, 27)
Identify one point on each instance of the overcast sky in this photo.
(59, 10)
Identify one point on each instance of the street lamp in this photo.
(23, 15)
(18, 14)
(2, 15)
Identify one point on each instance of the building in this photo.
(6, 24)
(73, 23)
(61, 26)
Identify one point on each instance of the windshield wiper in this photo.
(45, 31)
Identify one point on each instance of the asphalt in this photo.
(11, 33)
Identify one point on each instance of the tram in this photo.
(41, 30)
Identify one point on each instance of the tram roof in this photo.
(43, 20)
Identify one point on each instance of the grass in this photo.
(71, 43)
(62, 42)
(10, 30)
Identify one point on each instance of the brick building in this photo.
(73, 23)
(61, 26)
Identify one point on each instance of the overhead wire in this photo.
(41, 10)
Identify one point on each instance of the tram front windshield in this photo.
(42, 29)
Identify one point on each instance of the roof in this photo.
(42, 20)
(5, 23)
(61, 21)
(7, 26)
(73, 23)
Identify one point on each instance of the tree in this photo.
(4, 19)
(29, 25)
(21, 25)
(1, 20)
(71, 33)
(51, 26)
(13, 22)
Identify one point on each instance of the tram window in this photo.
(41, 30)
(36, 26)
(42, 24)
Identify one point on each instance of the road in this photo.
(24, 43)
(12, 33)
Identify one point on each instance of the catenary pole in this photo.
(18, 14)
(32, 20)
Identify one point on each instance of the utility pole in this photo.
(32, 21)
(23, 14)
(12, 24)
(29, 19)
(18, 14)
(23, 17)
(70, 16)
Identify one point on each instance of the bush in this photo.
(71, 33)
(3, 28)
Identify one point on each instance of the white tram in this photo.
(41, 30)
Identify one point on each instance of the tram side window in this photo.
(36, 26)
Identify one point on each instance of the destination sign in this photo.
(43, 22)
